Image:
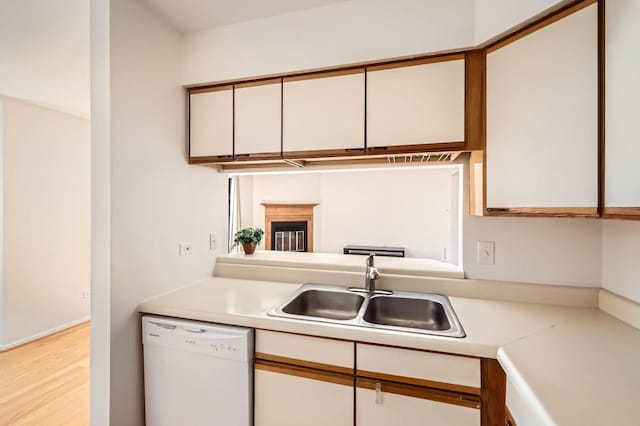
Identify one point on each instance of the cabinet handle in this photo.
(378, 393)
(497, 209)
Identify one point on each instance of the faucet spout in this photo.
(371, 274)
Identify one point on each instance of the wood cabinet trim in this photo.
(417, 149)
(303, 363)
(323, 74)
(588, 212)
(493, 393)
(601, 105)
(538, 24)
(413, 62)
(304, 372)
(417, 382)
(447, 397)
(475, 122)
(244, 85)
(629, 213)
(257, 156)
(209, 89)
(510, 421)
(325, 153)
(211, 159)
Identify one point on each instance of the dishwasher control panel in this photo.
(225, 342)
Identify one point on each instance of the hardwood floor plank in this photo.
(46, 382)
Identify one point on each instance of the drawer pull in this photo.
(378, 393)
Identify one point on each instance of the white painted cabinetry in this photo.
(286, 399)
(305, 380)
(421, 102)
(324, 112)
(622, 175)
(211, 122)
(542, 118)
(388, 408)
(258, 118)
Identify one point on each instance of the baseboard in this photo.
(42, 334)
(620, 307)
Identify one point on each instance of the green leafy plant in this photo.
(247, 235)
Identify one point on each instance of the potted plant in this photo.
(249, 238)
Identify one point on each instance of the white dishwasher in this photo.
(197, 373)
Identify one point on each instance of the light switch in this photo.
(486, 253)
(213, 241)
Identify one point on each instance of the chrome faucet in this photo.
(371, 275)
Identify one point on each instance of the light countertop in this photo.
(489, 324)
(581, 372)
(350, 263)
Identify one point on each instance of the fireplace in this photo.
(289, 236)
(289, 227)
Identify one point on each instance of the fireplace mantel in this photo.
(288, 212)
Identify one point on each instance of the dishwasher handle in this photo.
(202, 333)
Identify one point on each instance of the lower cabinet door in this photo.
(295, 397)
(379, 408)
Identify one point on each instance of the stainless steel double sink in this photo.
(399, 311)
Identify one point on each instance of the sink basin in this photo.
(398, 311)
(407, 312)
(329, 304)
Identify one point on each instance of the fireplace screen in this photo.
(289, 236)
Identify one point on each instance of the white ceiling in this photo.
(194, 15)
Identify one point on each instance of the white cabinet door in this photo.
(290, 400)
(622, 179)
(211, 122)
(542, 117)
(324, 112)
(258, 118)
(418, 104)
(393, 409)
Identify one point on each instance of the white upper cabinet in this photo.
(258, 118)
(211, 122)
(324, 112)
(622, 179)
(417, 104)
(542, 118)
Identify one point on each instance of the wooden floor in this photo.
(46, 382)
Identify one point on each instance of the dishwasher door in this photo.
(197, 373)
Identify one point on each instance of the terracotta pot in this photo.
(249, 248)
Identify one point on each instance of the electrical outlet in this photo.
(213, 241)
(85, 294)
(186, 249)
(486, 253)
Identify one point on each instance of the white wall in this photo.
(407, 208)
(493, 17)
(45, 227)
(157, 199)
(341, 33)
(620, 265)
(44, 53)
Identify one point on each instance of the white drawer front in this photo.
(306, 348)
(391, 409)
(419, 365)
